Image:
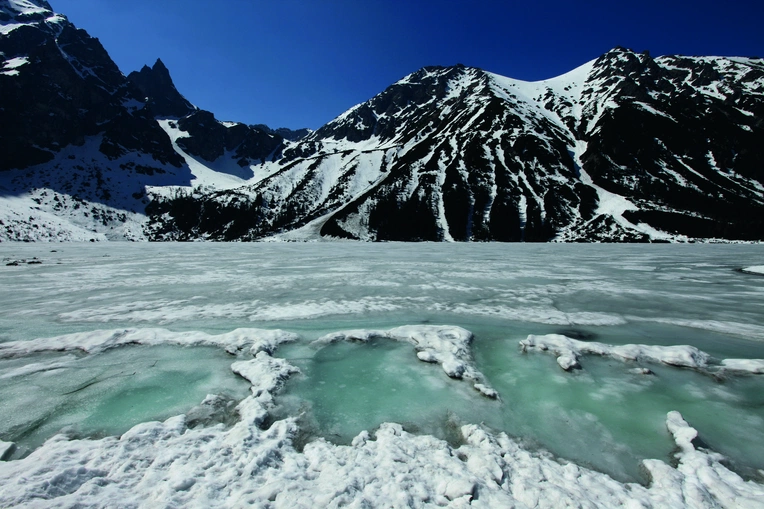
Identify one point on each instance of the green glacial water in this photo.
(604, 416)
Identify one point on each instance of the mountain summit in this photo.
(163, 98)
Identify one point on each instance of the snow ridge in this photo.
(568, 351)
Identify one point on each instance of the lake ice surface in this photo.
(608, 416)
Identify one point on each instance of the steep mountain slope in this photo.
(624, 148)
(80, 143)
(682, 138)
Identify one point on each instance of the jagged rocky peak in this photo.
(59, 87)
(411, 107)
(157, 87)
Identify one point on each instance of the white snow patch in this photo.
(26, 7)
(10, 66)
(568, 351)
(236, 341)
(23, 220)
(207, 175)
(652, 110)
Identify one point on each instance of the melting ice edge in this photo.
(167, 463)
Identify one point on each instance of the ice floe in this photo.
(568, 351)
(755, 269)
(755, 366)
(446, 345)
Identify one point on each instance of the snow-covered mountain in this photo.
(82, 145)
(624, 148)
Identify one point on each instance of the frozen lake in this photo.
(99, 341)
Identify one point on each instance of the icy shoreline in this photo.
(168, 464)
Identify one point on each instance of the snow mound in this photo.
(446, 345)
(234, 342)
(702, 479)
(166, 464)
(568, 352)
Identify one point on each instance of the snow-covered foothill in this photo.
(568, 352)
(446, 345)
(234, 342)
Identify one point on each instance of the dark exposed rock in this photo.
(157, 87)
(210, 139)
(287, 134)
(68, 89)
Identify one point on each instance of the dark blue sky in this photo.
(300, 63)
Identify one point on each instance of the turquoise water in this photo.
(108, 393)
(602, 416)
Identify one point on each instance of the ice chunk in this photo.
(569, 350)
(266, 375)
(754, 269)
(446, 345)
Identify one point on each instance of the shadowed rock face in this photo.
(157, 88)
(66, 87)
(210, 139)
